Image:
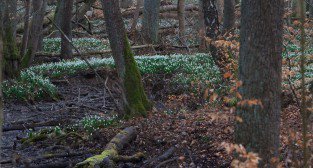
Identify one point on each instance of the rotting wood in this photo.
(110, 154)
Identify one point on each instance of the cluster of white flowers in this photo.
(53, 45)
(186, 69)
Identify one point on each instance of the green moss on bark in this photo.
(26, 58)
(138, 103)
(11, 56)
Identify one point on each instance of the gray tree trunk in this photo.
(11, 54)
(1, 72)
(311, 9)
(41, 37)
(260, 66)
(136, 15)
(229, 15)
(35, 32)
(87, 6)
(57, 18)
(135, 102)
(26, 28)
(150, 20)
(66, 8)
(181, 19)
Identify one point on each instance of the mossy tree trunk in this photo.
(35, 32)
(260, 66)
(150, 20)
(66, 8)
(135, 101)
(11, 54)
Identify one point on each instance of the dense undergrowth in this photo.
(35, 82)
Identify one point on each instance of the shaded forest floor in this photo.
(195, 133)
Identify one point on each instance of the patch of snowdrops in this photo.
(35, 81)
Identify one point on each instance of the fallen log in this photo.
(110, 154)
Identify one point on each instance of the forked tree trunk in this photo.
(66, 8)
(150, 20)
(35, 32)
(181, 19)
(260, 66)
(229, 15)
(134, 99)
(11, 54)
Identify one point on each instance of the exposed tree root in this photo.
(110, 155)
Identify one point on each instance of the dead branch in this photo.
(110, 154)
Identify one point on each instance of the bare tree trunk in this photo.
(1, 72)
(260, 66)
(83, 10)
(150, 20)
(311, 9)
(220, 9)
(181, 19)
(229, 15)
(136, 15)
(212, 31)
(41, 37)
(201, 27)
(35, 32)
(66, 8)
(134, 99)
(11, 56)
(26, 28)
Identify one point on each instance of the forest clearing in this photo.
(156, 83)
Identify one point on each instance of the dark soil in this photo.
(196, 134)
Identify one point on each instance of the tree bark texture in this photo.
(26, 28)
(134, 99)
(35, 32)
(260, 66)
(1, 72)
(11, 56)
(150, 20)
(229, 15)
(181, 19)
(66, 8)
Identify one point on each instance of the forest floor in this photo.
(195, 134)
